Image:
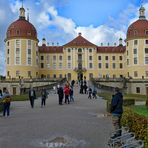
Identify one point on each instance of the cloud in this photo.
(15, 6)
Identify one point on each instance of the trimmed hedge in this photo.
(137, 124)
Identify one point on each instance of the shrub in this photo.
(137, 124)
(128, 102)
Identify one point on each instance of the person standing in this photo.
(32, 96)
(116, 111)
(60, 95)
(43, 97)
(6, 102)
(66, 93)
(71, 94)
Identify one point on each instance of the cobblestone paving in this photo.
(82, 124)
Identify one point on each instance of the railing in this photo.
(80, 69)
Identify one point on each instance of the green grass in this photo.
(20, 97)
(141, 110)
(108, 96)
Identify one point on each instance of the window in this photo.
(29, 42)
(106, 65)
(17, 43)
(8, 43)
(106, 57)
(135, 60)
(48, 65)
(17, 73)
(90, 65)
(127, 61)
(8, 60)
(79, 50)
(42, 65)
(60, 58)
(99, 57)
(146, 73)
(47, 58)
(42, 57)
(135, 51)
(114, 65)
(113, 57)
(29, 51)
(8, 51)
(146, 41)
(90, 57)
(135, 42)
(99, 65)
(137, 90)
(90, 50)
(146, 60)
(29, 73)
(135, 74)
(69, 65)
(29, 60)
(17, 51)
(60, 76)
(69, 58)
(8, 73)
(69, 50)
(54, 58)
(127, 52)
(120, 58)
(121, 65)
(146, 50)
(54, 76)
(127, 44)
(146, 32)
(17, 60)
(54, 65)
(17, 32)
(60, 65)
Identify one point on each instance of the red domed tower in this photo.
(21, 49)
(137, 47)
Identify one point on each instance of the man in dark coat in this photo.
(44, 95)
(117, 110)
(60, 93)
(32, 96)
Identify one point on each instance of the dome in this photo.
(138, 29)
(21, 28)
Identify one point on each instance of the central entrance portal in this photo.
(80, 76)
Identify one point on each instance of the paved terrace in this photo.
(78, 125)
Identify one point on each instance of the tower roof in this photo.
(21, 28)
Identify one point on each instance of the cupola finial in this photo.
(142, 12)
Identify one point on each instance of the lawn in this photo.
(108, 96)
(141, 110)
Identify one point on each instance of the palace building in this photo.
(77, 58)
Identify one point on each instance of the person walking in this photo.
(66, 93)
(116, 111)
(60, 93)
(94, 93)
(1, 94)
(32, 96)
(71, 94)
(44, 95)
(6, 102)
(89, 93)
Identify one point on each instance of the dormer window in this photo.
(17, 32)
(29, 33)
(146, 32)
(135, 32)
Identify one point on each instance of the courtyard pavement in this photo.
(81, 124)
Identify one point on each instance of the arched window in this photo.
(79, 50)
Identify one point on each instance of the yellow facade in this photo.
(23, 59)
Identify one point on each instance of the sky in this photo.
(60, 21)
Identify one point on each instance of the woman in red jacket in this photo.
(66, 93)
